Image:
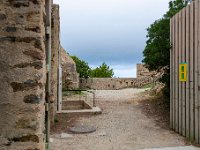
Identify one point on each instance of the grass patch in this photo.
(72, 93)
(56, 120)
(151, 85)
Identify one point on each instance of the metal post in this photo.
(94, 104)
(59, 102)
(48, 61)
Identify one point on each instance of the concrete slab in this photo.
(65, 135)
(176, 148)
(94, 110)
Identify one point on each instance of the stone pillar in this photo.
(55, 60)
(70, 77)
(22, 75)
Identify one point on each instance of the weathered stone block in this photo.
(10, 29)
(27, 124)
(33, 29)
(27, 85)
(26, 138)
(19, 3)
(32, 99)
(36, 65)
(34, 54)
(2, 16)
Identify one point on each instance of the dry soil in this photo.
(123, 125)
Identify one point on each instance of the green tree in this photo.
(82, 67)
(157, 50)
(102, 71)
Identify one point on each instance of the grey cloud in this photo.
(113, 31)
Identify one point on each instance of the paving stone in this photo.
(65, 135)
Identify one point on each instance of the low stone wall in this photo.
(144, 76)
(22, 75)
(113, 83)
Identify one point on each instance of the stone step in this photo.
(93, 111)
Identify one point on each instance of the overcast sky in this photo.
(111, 31)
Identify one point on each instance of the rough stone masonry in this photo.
(55, 33)
(22, 74)
(70, 77)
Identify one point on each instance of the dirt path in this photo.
(122, 126)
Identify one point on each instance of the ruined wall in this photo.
(55, 33)
(112, 83)
(144, 76)
(142, 71)
(22, 74)
(70, 75)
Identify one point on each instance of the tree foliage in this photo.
(157, 50)
(85, 71)
(102, 71)
(82, 67)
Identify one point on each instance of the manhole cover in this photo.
(82, 129)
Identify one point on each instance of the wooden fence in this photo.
(185, 72)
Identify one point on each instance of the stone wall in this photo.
(69, 75)
(113, 83)
(142, 71)
(55, 33)
(22, 75)
(144, 76)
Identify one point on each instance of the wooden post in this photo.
(191, 66)
(187, 82)
(176, 75)
(196, 123)
(198, 72)
(179, 62)
(183, 51)
(171, 73)
(174, 79)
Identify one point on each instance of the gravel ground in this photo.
(122, 126)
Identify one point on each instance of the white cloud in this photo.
(125, 71)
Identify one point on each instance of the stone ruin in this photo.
(23, 73)
(142, 71)
(70, 77)
(144, 77)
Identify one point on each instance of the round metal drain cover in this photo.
(82, 129)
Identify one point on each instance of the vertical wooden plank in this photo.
(184, 83)
(187, 82)
(176, 75)
(171, 73)
(199, 73)
(191, 66)
(179, 62)
(196, 123)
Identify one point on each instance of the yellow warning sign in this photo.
(183, 72)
